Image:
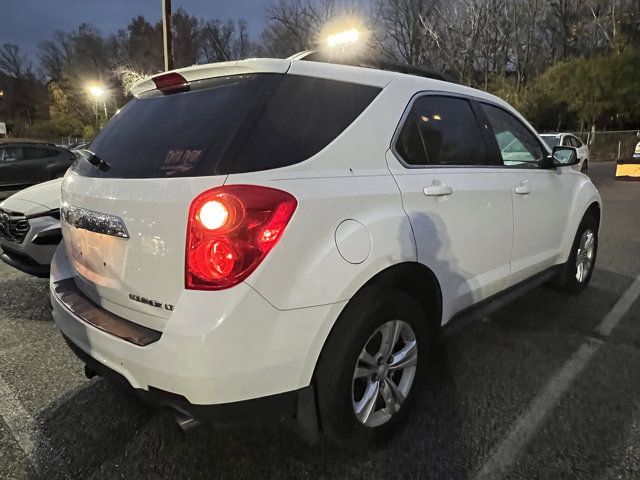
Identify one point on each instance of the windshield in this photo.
(234, 124)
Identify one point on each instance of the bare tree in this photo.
(14, 63)
(295, 25)
(400, 31)
(218, 40)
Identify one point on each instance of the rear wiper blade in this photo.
(94, 159)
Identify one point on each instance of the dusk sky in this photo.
(28, 22)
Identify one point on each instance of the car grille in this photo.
(13, 226)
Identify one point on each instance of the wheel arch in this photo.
(586, 201)
(413, 278)
(594, 211)
(418, 281)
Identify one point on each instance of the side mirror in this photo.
(565, 156)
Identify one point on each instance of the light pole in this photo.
(97, 92)
(166, 35)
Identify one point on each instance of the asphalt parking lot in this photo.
(540, 389)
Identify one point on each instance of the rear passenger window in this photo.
(518, 146)
(33, 153)
(441, 131)
(10, 154)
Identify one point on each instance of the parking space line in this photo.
(19, 421)
(621, 307)
(506, 452)
(22, 425)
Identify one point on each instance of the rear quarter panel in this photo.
(349, 179)
(305, 268)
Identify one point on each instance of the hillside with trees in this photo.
(566, 64)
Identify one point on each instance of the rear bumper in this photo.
(296, 405)
(215, 348)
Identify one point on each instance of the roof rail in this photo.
(380, 63)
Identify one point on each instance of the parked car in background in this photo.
(569, 140)
(27, 163)
(257, 259)
(30, 228)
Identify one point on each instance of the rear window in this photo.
(236, 124)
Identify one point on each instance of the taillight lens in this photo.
(230, 231)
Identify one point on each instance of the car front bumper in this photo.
(33, 255)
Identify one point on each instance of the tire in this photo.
(373, 311)
(572, 281)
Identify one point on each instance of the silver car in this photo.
(30, 228)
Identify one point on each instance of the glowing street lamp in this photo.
(96, 90)
(98, 93)
(344, 38)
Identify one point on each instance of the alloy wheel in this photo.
(584, 255)
(384, 373)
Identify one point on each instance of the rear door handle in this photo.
(437, 191)
(523, 189)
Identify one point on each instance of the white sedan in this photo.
(569, 140)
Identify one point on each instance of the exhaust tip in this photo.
(186, 422)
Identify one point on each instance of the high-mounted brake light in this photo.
(171, 82)
(230, 230)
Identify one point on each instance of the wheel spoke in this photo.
(588, 243)
(368, 360)
(579, 271)
(390, 335)
(363, 370)
(389, 400)
(398, 397)
(407, 357)
(365, 407)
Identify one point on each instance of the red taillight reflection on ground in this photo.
(230, 231)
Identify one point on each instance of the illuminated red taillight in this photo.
(171, 82)
(230, 231)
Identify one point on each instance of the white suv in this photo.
(289, 236)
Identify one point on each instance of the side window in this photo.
(441, 131)
(34, 153)
(518, 146)
(575, 142)
(10, 154)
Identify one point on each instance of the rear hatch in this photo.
(125, 215)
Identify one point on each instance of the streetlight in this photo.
(98, 92)
(343, 38)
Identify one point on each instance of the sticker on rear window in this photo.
(180, 162)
